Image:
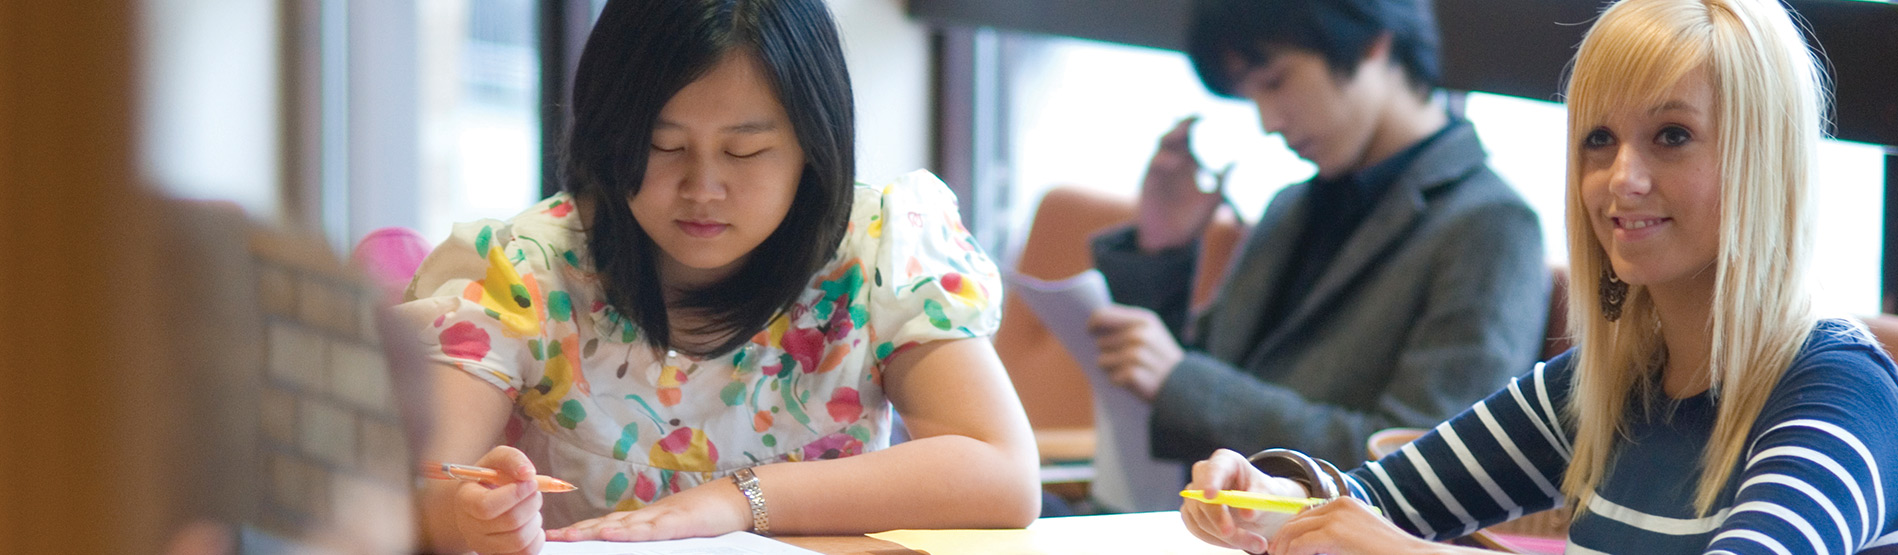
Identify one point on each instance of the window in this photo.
(481, 121)
(1089, 113)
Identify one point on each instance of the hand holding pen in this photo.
(470, 473)
(497, 512)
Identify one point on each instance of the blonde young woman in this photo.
(1705, 408)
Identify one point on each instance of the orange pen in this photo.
(471, 473)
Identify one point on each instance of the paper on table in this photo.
(735, 543)
(1157, 533)
(1126, 476)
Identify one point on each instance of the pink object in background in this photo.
(390, 256)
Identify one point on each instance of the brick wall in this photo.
(333, 447)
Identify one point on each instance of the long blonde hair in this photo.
(1768, 104)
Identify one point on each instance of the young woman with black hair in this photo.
(713, 296)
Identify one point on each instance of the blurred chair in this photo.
(389, 257)
(1540, 533)
(1049, 381)
(1556, 334)
(1884, 328)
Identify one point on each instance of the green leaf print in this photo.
(858, 315)
(553, 349)
(520, 295)
(770, 440)
(543, 252)
(656, 422)
(795, 407)
(733, 394)
(627, 437)
(936, 317)
(483, 239)
(560, 306)
(572, 259)
(616, 488)
(759, 389)
(533, 347)
(860, 432)
(884, 349)
(840, 287)
(571, 413)
(738, 358)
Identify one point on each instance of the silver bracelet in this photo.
(748, 485)
(1320, 478)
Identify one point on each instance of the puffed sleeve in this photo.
(474, 304)
(932, 282)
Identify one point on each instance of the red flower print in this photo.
(560, 210)
(845, 405)
(833, 446)
(806, 346)
(644, 489)
(466, 341)
(840, 323)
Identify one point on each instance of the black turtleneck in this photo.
(1338, 208)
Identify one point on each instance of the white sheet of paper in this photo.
(1126, 477)
(735, 543)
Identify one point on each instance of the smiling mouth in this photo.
(1631, 225)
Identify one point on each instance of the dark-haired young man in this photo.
(1401, 284)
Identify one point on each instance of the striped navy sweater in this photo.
(1816, 478)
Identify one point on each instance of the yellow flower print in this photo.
(507, 297)
(962, 288)
(685, 449)
(670, 378)
(560, 375)
(773, 335)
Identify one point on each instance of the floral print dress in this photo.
(518, 304)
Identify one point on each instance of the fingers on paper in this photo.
(652, 523)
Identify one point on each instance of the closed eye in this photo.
(752, 154)
(664, 149)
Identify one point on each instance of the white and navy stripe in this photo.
(1812, 480)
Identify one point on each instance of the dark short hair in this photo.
(1340, 31)
(640, 54)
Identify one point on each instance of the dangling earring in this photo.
(1613, 292)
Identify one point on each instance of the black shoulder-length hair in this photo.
(1340, 31)
(640, 54)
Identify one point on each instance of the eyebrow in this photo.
(1675, 106)
(746, 128)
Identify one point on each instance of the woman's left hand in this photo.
(710, 509)
(1342, 527)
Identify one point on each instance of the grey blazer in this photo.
(1437, 299)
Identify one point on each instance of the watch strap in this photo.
(747, 482)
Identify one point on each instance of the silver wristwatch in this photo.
(748, 485)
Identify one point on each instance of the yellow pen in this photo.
(1258, 501)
